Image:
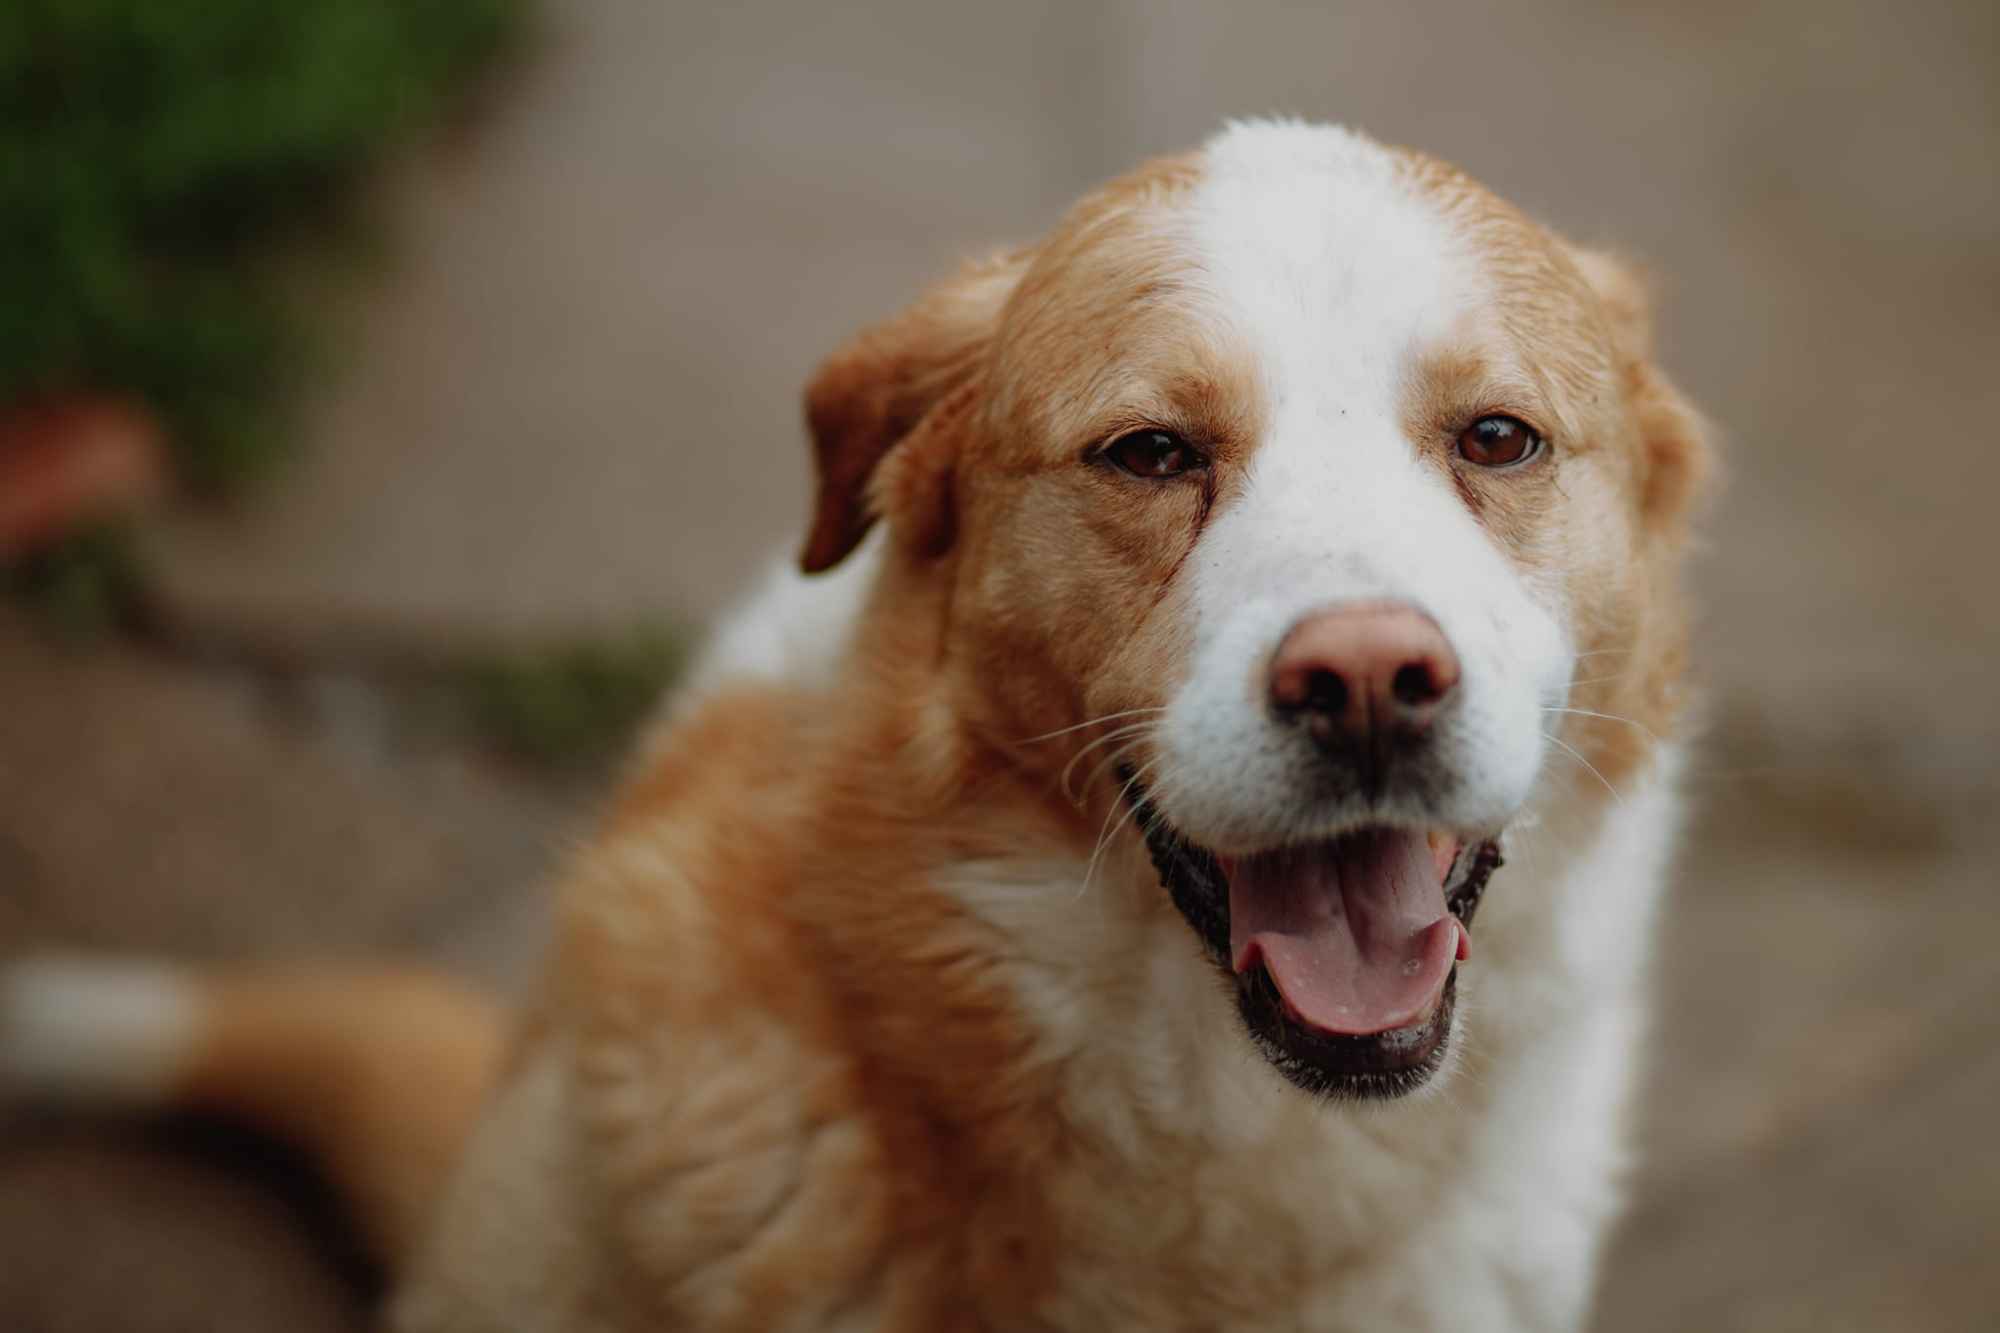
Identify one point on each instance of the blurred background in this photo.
(389, 391)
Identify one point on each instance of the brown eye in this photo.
(1154, 454)
(1498, 442)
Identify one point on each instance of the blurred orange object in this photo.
(68, 461)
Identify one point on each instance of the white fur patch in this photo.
(1333, 274)
(94, 1033)
(793, 627)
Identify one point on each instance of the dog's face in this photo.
(1285, 486)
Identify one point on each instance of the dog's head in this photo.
(1311, 498)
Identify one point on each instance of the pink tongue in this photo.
(1353, 932)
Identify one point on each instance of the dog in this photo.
(1053, 905)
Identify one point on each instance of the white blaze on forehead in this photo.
(1334, 275)
(1328, 260)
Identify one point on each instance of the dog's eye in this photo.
(1154, 454)
(1498, 442)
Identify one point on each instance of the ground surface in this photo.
(574, 405)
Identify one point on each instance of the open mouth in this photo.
(1344, 952)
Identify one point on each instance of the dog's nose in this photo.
(1365, 676)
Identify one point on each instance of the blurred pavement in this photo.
(574, 403)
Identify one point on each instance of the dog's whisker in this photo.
(1079, 796)
(1599, 680)
(1589, 767)
(1129, 734)
(1095, 721)
(1165, 790)
(1122, 751)
(1097, 850)
(1114, 818)
(1121, 810)
(1608, 717)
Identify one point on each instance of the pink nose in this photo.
(1365, 676)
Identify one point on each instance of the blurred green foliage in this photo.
(572, 703)
(82, 588)
(153, 154)
(156, 158)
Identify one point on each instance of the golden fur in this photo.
(784, 1074)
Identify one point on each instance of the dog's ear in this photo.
(1679, 459)
(899, 388)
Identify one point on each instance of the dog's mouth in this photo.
(1344, 952)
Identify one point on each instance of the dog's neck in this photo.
(1024, 1026)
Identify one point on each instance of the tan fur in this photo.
(1626, 413)
(379, 1074)
(876, 390)
(790, 1070)
(838, 1141)
(807, 1084)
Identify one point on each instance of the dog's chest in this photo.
(1271, 1221)
(1198, 1190)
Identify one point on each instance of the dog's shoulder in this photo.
(785, 1050)
(707, 1085)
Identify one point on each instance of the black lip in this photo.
(1374, 1067)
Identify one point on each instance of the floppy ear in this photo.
(900, 383)
(1679, 459)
